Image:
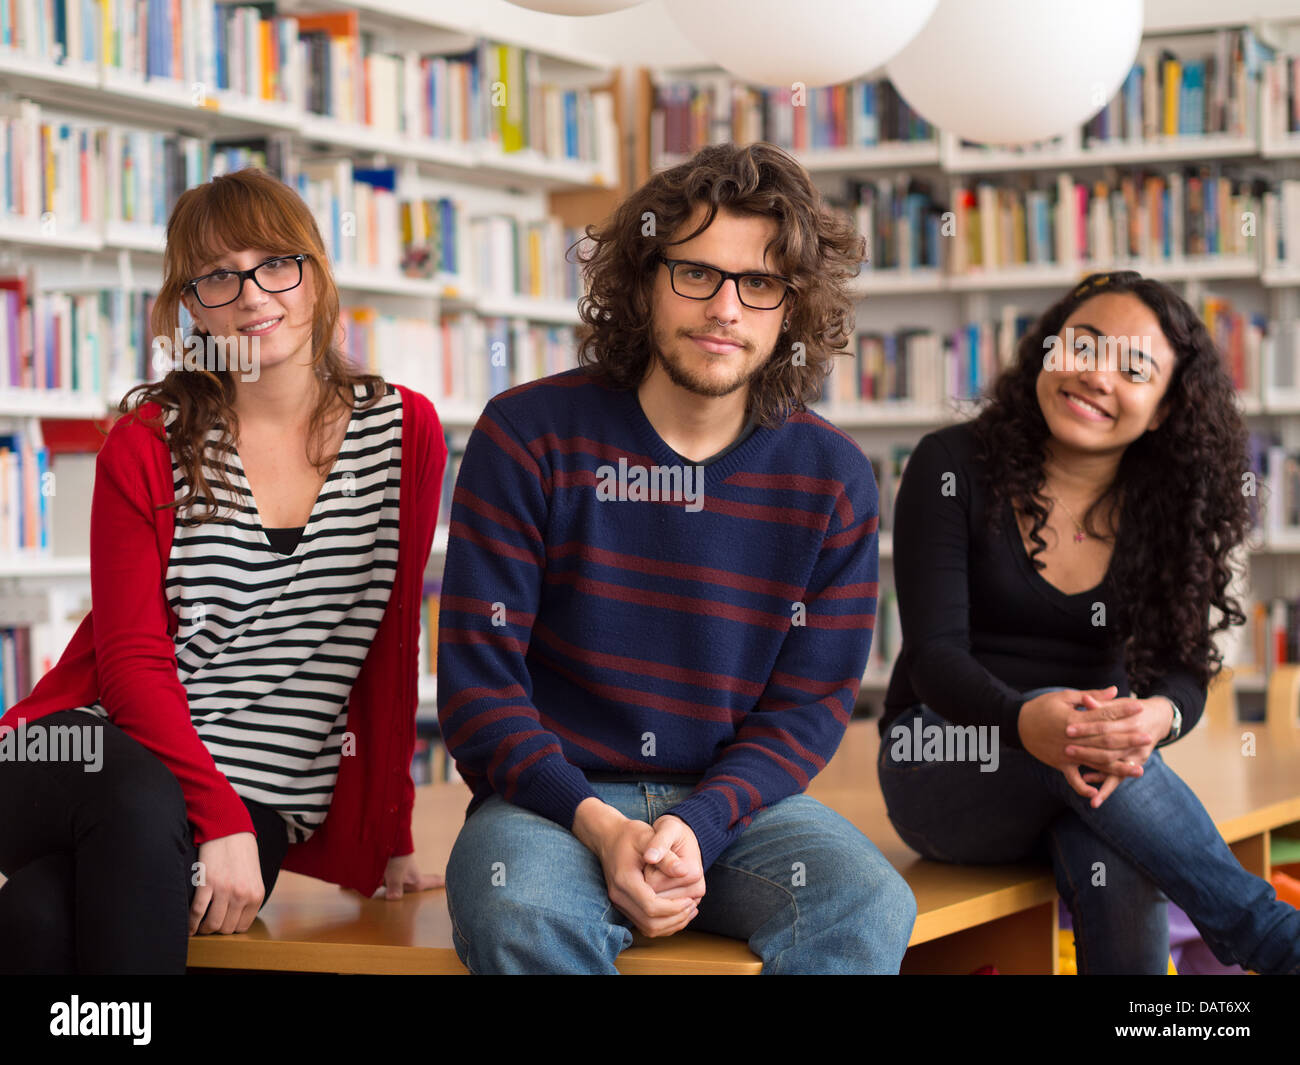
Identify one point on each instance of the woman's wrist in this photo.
(1174, 728)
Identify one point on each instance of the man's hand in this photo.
(402, 874)
(674, 868)
(620, 844)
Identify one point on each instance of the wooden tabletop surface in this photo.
(310, 925)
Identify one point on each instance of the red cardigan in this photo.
(122, 655)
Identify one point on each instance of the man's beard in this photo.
(684, 379)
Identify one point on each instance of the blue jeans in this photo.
(526, 896)
(1116, 866)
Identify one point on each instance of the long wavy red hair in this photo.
(248, 208)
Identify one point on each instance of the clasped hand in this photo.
(1098, 747)
(653, 873)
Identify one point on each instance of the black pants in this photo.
(100, 864)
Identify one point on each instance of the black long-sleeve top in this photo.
(980, 624)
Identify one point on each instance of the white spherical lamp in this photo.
(774, 43)
(1014, 71)
(575, 7)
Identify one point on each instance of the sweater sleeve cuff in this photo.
(708, 816)
(405, 841)
(1011, 724)
(554, 791)
(223, 815)
(1189, 697)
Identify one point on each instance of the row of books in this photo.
(25, 486)
(887, 638)
(431, 764)
(456, 441)
(888, 467)
(324, 63)
(1272, 636)
(1241, 338)
(464, 358)
(367, 224)
(1282, 94)
(518, 257)
(428, 642)
(52, 178)
(901, 221)
(1281, 233)
(478, 357)
(1037, 220)
(81, 176)
(72, 341)
(1141, 215)
(1165, 94)
(692, 112)
(75, 175)
(1275, 501)
(923, 366)
(18, 665)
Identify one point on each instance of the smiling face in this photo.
(1112, 370)
(289, 340)
(691, 336)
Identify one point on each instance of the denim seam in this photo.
(539, 909)
(1080, 955)
(794, 901)
(455, 927)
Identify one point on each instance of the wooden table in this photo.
(968, 916)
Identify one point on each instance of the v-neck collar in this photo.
(1046, 588)
(658, 449)
(314, 517)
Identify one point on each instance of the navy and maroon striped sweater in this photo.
(720, 638)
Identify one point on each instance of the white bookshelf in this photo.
(1069, 153)
(36, 566)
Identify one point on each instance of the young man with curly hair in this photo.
(658, 603)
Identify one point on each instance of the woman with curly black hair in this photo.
(1058, 563)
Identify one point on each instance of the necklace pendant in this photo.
(1080, 536)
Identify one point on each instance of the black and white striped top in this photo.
(270, 641)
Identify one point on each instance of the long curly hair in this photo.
(815, 247)
(248, 208)
(1178, 491)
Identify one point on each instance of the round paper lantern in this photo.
(1012, 71)
(575, 7)
(817, 42)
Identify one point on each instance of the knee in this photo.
(496, 931)
(876, 902)
(148, 800)
(891, 907)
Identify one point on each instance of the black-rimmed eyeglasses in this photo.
(699, 281)
(224, 286)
